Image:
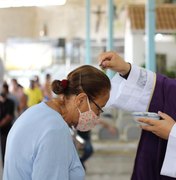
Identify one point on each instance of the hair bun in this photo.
(59, 87)
(64, 83)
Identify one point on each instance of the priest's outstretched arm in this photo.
(132, 93)
(137, 89)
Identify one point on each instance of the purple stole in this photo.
(151, 149)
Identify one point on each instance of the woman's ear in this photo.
(80, 98)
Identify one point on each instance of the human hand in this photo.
(161, 128)
(114, 62)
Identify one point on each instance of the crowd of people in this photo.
(15, 99)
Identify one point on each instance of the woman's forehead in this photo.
(103, 98)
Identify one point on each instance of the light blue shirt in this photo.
(40, 147)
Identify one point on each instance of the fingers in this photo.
(113, 61)
(150, 122)
(148, 128)
(160, 128)
(105, 64)
(106, 56)
(164, 116)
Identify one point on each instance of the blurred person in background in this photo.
(138, 89)
(86, 147)
(37, 82)
(40, 144)
(7, 108)
(12, 97)
(15, 94)
(23, 99)
(34, 94)
(2, 71)
(14, 87)
(47, 92)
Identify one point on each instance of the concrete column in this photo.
(150, 36)
(110, 46)
(88, 41)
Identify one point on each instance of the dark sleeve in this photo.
(10, 107)
(126, 75)
(163, 99)
(164, 96)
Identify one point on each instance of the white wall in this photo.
(17, 22)
(138, 49)
(168, 48)
(135, 49)
(128, 48)
(62, 21)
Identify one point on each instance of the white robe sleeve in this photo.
(135, 93)
(169, 165)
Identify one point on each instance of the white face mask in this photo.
(87, 120)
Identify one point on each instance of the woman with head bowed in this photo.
(39, 145)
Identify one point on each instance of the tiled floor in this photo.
(112, 164)
(109, 167)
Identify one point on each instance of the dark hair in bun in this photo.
(86, 79)
(59, 87)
